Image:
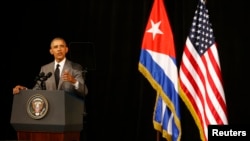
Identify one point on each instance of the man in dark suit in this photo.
(70, 73)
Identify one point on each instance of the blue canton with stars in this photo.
(201, 33)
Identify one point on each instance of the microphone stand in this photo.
(43, 79)
(43, 86)
(84, 101)
(84, 78)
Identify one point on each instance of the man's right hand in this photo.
(17, 89)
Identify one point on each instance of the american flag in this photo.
(158, 64)
(201, 85)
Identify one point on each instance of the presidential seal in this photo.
(37, 106)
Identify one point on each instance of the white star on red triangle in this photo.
(155, 28)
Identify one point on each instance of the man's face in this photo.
(59, 49)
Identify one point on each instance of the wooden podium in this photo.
(42, 115)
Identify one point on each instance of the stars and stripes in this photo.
(201, 85)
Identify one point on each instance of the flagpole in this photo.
(157, 136)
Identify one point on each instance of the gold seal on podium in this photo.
(37, 106)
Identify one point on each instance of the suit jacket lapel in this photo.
(50, 83)
(53, 83)
(66, 67)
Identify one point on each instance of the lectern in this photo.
(42, 115)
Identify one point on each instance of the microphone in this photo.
(41, 74)
(43, 79)
(48, 75)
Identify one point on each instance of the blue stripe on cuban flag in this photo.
(161, 71)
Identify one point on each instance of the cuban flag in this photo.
(159, 66)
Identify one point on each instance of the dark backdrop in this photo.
(120, 101)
